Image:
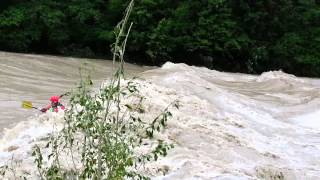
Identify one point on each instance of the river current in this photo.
(35, 78)
(228, 126)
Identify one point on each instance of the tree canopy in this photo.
(231, 35)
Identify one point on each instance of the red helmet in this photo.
(54, 99)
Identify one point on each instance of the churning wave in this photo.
(229, 125)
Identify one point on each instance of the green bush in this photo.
(104, 134)
(103, 131)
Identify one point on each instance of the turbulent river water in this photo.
(35, 78)
(229, 126)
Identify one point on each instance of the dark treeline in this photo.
(230, 35)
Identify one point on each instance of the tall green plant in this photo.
(104, 131)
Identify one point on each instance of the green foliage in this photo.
(284, 35)
(193, 28)
(239, 35)
(104, 132)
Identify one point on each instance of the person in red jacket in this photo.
(54, 106)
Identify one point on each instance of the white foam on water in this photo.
(310, 120)
(229, 126)
(271, 75)
(247, 121)
(18, 141)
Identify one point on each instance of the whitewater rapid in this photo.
(241, 126)
(228, 126)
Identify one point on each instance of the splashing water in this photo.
(229, 126)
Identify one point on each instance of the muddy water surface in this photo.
(35, 78)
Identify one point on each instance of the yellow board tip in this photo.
(27, 104)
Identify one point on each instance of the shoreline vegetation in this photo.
(236, 36)
(104, 134)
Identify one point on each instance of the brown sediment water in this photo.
(37, 77)
(228, 126)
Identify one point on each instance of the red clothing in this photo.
(53, 109)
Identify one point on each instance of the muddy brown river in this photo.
(228, 126)
(35, 78)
